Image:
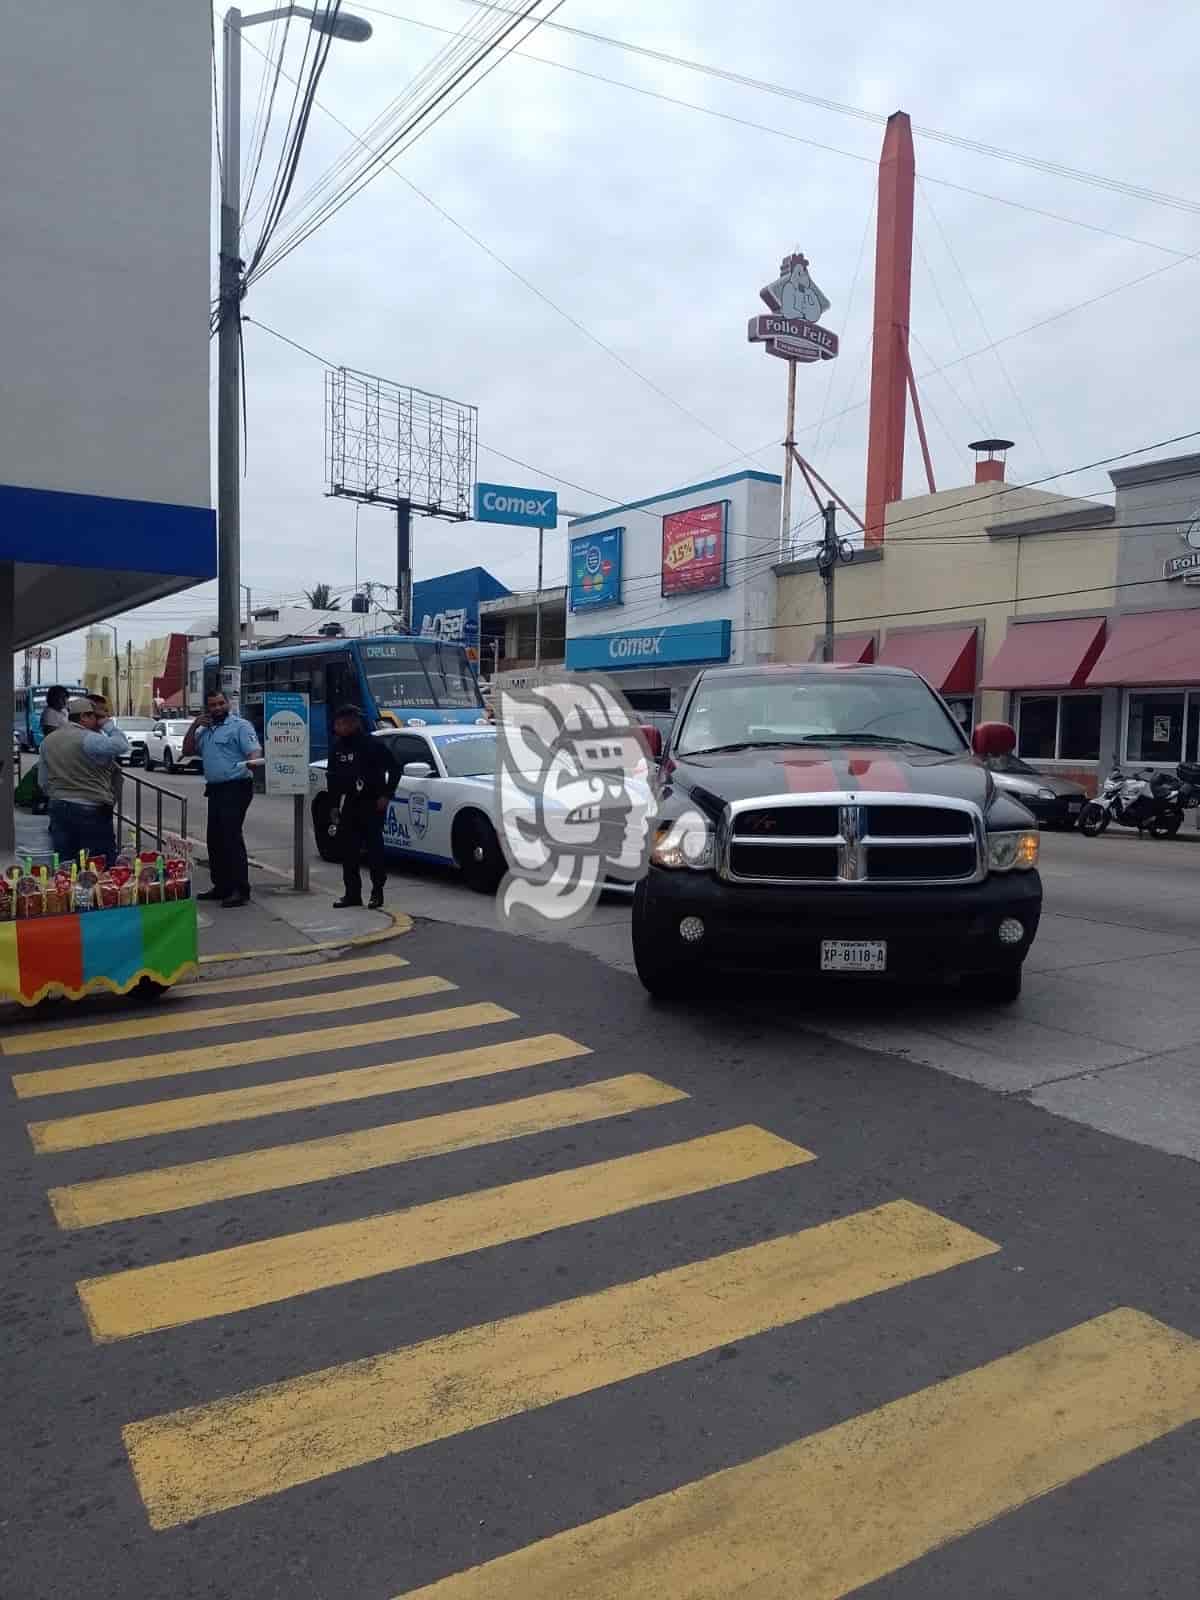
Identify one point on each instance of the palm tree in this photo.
(322, 598)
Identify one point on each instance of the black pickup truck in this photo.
(820, 820)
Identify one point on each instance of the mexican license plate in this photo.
(853, 955)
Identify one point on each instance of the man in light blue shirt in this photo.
(227, 746)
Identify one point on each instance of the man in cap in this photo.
(75, 770)
(362, 779)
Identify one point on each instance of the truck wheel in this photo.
(478, 853)
(321, 810)
(994, 988)
(661, 976)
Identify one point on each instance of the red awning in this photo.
(1046, 655)
(945, 657)
(1155, 648)
(851, 649)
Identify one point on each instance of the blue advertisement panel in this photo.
(595, 570)
(516, 508)
(682, 645)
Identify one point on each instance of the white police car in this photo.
(445, 805)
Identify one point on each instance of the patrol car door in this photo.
(406, 826)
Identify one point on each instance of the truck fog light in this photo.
(1012, 931)
(691, 930)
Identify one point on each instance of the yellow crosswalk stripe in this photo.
(831, 1513)
(212, 1457)
(145, 1299)
(318, 972)
(186, 1020)
(298, 1094)
(197, 1183)
(246, 1052)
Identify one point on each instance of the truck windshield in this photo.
(779, 709)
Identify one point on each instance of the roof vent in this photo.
(989, 468)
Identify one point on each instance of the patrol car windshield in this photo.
(472, 755)
(777, 709)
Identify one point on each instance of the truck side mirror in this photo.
(654, 740)
(994, 739)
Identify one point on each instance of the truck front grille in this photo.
(880, 839)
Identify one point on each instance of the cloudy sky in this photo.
(638, 205)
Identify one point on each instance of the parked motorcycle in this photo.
(1151, 802)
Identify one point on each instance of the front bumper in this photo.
(932, 933)
(1061, 812)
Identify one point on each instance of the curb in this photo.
(400, 923)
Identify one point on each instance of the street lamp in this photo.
(341, 25)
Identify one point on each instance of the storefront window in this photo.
(1156, 722)
(1079, 727)
(1059, 727)
(1038, 727)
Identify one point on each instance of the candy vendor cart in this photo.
(49, 952)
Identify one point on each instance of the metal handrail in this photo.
(140, 827)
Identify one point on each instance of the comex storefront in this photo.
(661, 587)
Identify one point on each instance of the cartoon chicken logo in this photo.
(794, 294)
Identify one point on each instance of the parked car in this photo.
(137, 730)
(817, 821)
(164, 747)
(1055, 802)
(445, 805)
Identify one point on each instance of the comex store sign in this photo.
(641, 646)
(1187, 567)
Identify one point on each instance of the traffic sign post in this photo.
(286, 757)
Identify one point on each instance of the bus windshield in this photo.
(420, 672)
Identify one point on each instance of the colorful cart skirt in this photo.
(100, 951)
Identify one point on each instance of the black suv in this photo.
(832, 820)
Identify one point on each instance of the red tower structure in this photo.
(891, 367)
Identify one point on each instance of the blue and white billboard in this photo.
(595, 570)
(518, 508)
(685, 644)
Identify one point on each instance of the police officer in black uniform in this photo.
(362, 777)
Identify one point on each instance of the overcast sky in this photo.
(654, 225)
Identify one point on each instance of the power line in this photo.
(860, 113)
(554, 306)
(415, 127)
(779, 132)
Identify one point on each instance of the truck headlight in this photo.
(1046, 794)
(687, 841)
(1009, 852)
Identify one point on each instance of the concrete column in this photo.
(8, 837)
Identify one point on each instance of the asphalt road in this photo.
(341, 1289)
(1107, 1031)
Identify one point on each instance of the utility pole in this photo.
(537, 625)
(229, 654)
(826, 563)
(249, 620)
(128, 680)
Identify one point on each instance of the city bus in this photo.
(28, 705)
(399, 680)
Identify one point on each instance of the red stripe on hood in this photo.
(810, 776)
(870, 770)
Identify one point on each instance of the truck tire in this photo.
(994, 988)
(662, 976)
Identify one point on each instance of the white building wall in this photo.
(748, 598)
(106, 126)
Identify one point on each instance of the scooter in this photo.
(1150, 802)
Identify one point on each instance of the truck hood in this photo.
(712, 781)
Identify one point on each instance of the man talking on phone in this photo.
(227, 745)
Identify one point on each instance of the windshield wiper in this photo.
(743, 744)
(874, 738)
